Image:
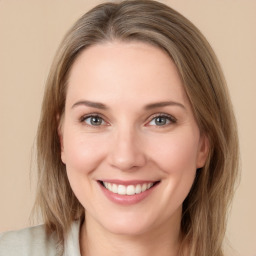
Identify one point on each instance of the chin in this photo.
(125, 229)
(128, 224)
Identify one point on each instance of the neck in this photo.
(95, 240)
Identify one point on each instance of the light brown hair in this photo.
(205, 208)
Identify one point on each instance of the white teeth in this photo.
(149, 185)
(121, 190)
(127, 190)
(130, 190)
(108, 186)
(144, 187)
(138, 189)
(114, 188)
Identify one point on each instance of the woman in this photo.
(137, 143)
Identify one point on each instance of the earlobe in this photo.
(203, 151)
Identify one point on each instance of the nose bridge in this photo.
(127, 151)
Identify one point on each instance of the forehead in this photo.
(127, 70)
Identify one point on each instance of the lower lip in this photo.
(127, 199)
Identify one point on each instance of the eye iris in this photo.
(160, 120)
(95, 120)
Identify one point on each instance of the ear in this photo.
(203, 151)
(60, 135)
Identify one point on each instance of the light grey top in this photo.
(34, 241)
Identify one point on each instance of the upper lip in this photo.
(128, 182)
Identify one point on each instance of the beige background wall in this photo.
(30, 31)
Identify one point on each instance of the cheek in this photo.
(176, 156)
(177, 152)
(82, 153)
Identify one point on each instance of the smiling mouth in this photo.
(128, 189)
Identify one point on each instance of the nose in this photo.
(127, 152)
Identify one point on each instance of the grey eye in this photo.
(94, 120)
(160, 121)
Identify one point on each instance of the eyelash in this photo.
(171, 119)
(83, 119)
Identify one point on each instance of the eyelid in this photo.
(84, 117)
(168, 116)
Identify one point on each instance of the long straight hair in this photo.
(205, 208)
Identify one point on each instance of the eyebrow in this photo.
(147, 107)
(164, 104)
(90, 104)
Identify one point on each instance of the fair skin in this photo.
(128, 122)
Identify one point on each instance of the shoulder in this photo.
(29, 241)
(35, 241)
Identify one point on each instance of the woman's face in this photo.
(130, 142)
